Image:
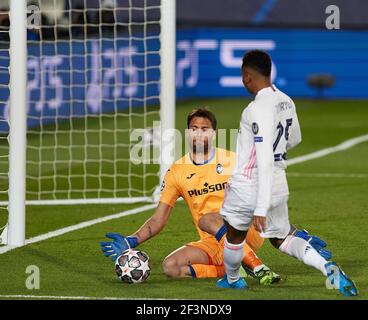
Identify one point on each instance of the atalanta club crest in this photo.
(219, 168)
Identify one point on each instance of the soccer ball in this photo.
(132, 266)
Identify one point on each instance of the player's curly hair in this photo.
(202, 113)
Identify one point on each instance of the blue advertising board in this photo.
(89, 77)
(209, 61)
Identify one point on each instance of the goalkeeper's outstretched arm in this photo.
(155, 224)
(148, 230)
(170, 193)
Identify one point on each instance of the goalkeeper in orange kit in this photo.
(199, 177)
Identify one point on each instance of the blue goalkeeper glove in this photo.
(119, 244)
(317, 243)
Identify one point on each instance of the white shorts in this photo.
(240, 202)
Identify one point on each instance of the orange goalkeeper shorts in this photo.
(215, 249)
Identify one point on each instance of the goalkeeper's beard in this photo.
(200, 150)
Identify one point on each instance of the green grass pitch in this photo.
(334, 207)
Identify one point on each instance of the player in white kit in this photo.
(258, 191)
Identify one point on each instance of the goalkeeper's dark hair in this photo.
(202, 113)
(259, 61)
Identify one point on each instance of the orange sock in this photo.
(208, 271)
(250, 259)
(254, 239)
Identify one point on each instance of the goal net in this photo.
(4, 125)
(96, 90)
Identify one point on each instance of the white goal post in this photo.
(17, 122)
(96, 141)
(168, 65)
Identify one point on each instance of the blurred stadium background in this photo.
(93, 77)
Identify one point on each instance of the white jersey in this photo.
(269, 127)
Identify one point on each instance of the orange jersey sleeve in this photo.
(169, 188)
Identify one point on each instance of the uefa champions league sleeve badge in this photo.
(255, 128)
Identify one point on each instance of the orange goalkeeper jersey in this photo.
(200, 185)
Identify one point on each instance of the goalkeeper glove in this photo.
(119, 244)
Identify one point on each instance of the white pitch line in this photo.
(328, 175)
(15, 296)
(78, 226)
(63, 202)
(324, 152)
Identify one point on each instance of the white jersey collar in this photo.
(266, 90)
